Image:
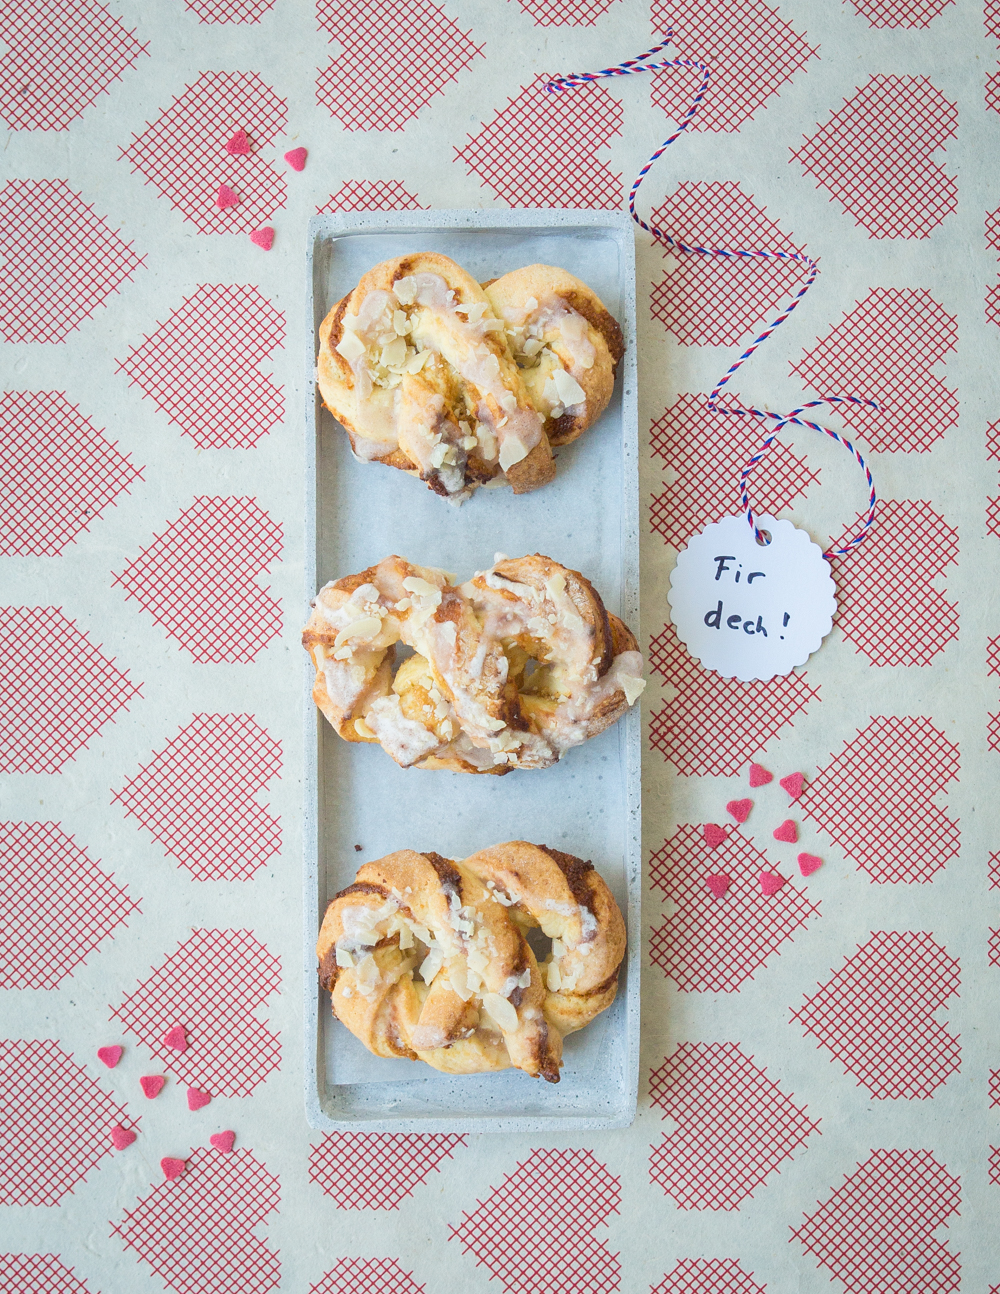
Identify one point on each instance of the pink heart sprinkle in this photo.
(175, 1038)
(718, 884)
(172, 1167)
(770, 882)
(296, 159)
(110, 1055)
(740, 809)
(788, 832)
(263, 238)
(759, 776)
(196, 1098)
(714, 835)
(226, 197)
(223, 1141)
(152, 1085)
(808, 863)
(122, 1137)
(793, 784)
(239, 145)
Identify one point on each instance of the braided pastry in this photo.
(510, 670)
(427, 959)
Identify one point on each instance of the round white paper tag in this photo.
(747, 610)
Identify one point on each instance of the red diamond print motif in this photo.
(211, 986)
(994, 1088)
(56, 1123)
(60, 261)
(993, 229)
(59, 59)
(198, 580)
(229, 10)
(751, 50)
(374, 1276)
(708, 1276)
(536, 1231)
(542, 150)
(712, 300)
(709, 945)
(888, 605)
(994, 948)
(714, 725)
(876, 1233)
(565, 13)
(380, 81)
(991, 18)
(705, 452)
(994, 871)
(735, 1126)
(876, 1016)
(56, 905)
(211, 346)
(876, 800)
(196, 797)
(183, 153)
(875, 157)
(372, 195)
(38, 1274)
(906, 14)
(993, 300)
(57, 473)
(887, 349)
(376, 1170)
(995, 1165)
(197, 1233)
(40, 733)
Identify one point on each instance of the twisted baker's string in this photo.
(781, 420)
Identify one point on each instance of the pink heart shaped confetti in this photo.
(121, 1137)
(718, 884)
(714, 834)
(226, 197)
(759, 776)
(152, 1085)
(809, 863)
(196, 1098)
(793, 784)
(787, 832)
(770, 883)
(175, 1038)
(110, 1055)
(263, 238)
(239, 145)
(223, 1141)
(740, 809)
(172, 1167)
(296, 159)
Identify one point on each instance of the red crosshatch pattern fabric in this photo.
(876, 800)
(907, 14)
(750, 48)
(875, 1234)
(197, 1233)
(372, 195)
(57, 473)
(198, 580)
(994, 871)
(705, 452)
(61, 261)
(212, 986)
(565, 13)
(374, 1276)
(714, 725)
(229, 10)
(888, 605)
(735, 1126)
(55, 1122)
(714, 300)
(543, 150)
(876, 1016)
(994, 1088)
(196, 797)
(40, 733)
(991, 18)
(889, 346)
(183, 153)
(875, 157)
(994, 948)
(38, 1274)
(379, 81)
(211, 346)
(59, 59)
(377, 1170)
(56, 905)
(537, 1231)
(708, 1276)
(711, 945)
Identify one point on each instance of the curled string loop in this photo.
(781, 420)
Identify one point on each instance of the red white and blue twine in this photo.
(781, 420)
